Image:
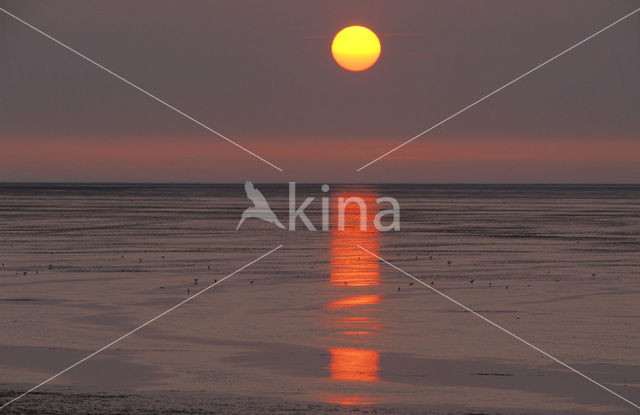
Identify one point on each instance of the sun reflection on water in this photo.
(354, 316)
(354, 301)
(348, 363)
(349, 264)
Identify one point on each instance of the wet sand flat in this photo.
(323, 327)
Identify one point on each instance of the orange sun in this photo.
(355, 48)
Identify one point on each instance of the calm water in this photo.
(321, 320)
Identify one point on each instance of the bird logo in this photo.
(260, 208)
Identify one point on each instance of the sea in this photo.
(483, 299)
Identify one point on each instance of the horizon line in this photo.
(114, 183)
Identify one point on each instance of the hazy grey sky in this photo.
(262, 71)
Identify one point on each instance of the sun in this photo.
(356, 48)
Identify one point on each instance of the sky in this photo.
(261, 73)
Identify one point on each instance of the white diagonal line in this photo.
(140, 89)
(501, 328)
(498, 90)
(138, 328)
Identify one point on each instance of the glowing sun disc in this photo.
(356, 48)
